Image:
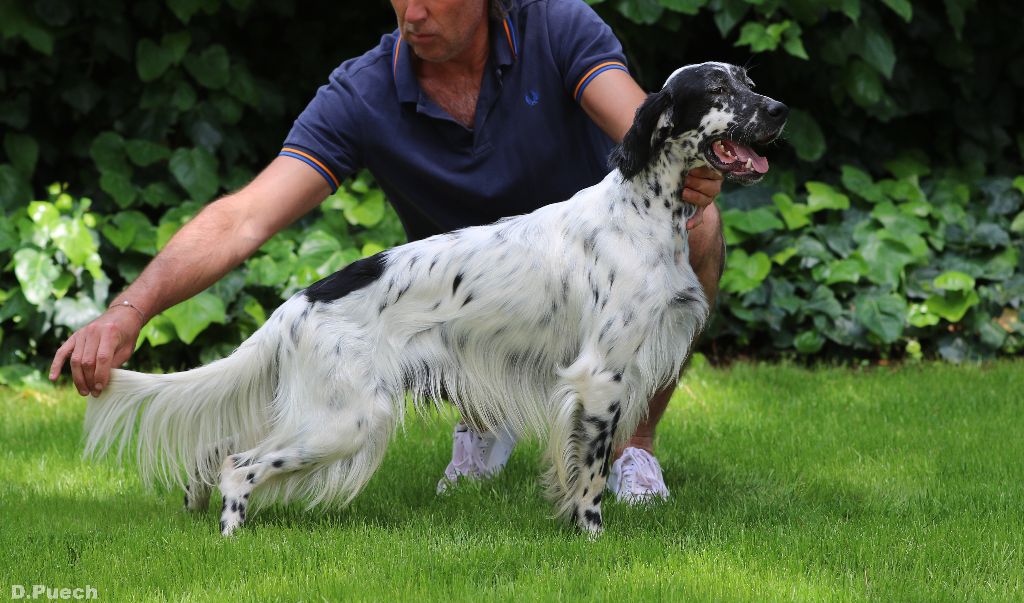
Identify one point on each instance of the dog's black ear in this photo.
(642, 140)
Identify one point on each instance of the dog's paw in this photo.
(232, 515)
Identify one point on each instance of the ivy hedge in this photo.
(891, 223)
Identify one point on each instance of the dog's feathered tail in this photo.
(186, 423)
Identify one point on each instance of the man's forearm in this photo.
(200, 253)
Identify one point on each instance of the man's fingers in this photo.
(89, 359)
(104, 359)
(81, 341)
(60, 357)
(707, 173)
(696, 197)
(708, 189)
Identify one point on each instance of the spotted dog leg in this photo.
(595, 433)
(583, 435)
(333, 436)
(197, 490)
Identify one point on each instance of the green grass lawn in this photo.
(787, 484)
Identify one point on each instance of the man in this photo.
(471, 114)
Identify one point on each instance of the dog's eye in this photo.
(718, 90)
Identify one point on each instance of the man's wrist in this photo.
(124, 303)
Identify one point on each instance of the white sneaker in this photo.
(635, 478)
(475, 456)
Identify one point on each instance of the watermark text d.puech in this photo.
(42, 591)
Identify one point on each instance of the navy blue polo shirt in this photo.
(531, 143)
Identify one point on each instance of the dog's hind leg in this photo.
(321, 441)
(585, 442)
(197, 490)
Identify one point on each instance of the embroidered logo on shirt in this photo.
(532, 98)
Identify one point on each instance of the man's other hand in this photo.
(700, 188)
(97, 347)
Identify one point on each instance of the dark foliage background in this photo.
(891, 224)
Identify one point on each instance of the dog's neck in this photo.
(656, 192)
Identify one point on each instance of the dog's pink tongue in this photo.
(743, 153)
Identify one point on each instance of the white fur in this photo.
(571, 326)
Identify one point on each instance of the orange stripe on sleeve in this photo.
(314, 160)
(576, 92)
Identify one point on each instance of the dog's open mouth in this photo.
(736, 160)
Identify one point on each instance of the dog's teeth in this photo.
(750, 163)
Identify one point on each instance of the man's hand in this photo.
(700, 188)
(97, 347)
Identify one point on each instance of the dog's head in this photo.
(711, 110)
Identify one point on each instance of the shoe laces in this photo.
(641, 472)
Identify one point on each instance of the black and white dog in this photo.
(561, 323)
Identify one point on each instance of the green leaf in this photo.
(794, 214)
(952, 305)
(783, 256)
(369, 212)
(1018, 183)
(793, 43)
(211, 68)
(176, 44)
(254, 309)
(754, 221)
(863, 84)
(745, 272)
(919, 316)
(758, 37)
(107, 151)
(144, 152)
(191, 317)
(119, 186)
(23, 152)
(159, 194)
(196, 171)
(36, 271)
(151, 60)
(184, 96)
(76, 240)
(858, 181)
(874, 46)
(909, 165)
(809, 342)
(645, 12)
(954, 281)
(823, 301)
(123, 229)
(687, 7)
(883, 315)
(184, 9)
(14, 187)
(885, 259)
(728, 14)
(846, 270)
(157, 331)
(76, 312)
(903, 8)
(804, 133)
(1018, 223)
(850, 8)
(822, 196)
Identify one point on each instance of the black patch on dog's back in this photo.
(351, 278)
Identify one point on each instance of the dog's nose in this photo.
(777, 109)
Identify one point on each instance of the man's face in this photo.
(439, 30)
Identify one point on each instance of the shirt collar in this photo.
(504, 50)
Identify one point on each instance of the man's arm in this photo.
(611, 100)
(220, 237)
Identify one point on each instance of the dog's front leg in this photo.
(593, 410)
